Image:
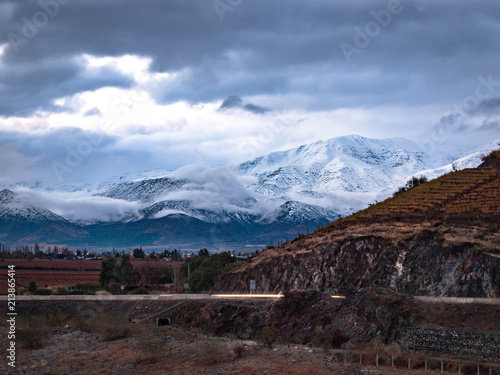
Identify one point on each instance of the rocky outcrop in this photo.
(430, 259)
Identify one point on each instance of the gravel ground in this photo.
(70, 352)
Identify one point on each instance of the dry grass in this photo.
(212, 352)
(32, 332)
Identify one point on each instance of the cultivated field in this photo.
(60, 272)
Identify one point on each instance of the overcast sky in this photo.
(91, 89)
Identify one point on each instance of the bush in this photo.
(116, 332)
(140, 290)
(43, 292)
(151, 348)
(239, 351)
(413, 183)
(88, 287)
(212, 352)
(32, 286)
(31, 332)
(188, 317)
(76, 292)
(493, 228)
(268, 336)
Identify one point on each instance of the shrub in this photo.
(42, 292)
(268, 336)
(493, 228)
(88, 287)
(239, 351)
(212, 352)
(140, 290)
(31, 332)
(152, 348)
(188, 317)
(32, 286)
(76, 292)
(116, 332)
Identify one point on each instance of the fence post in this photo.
(360, 358)
(425, 365)
(409, 363)
(392, 360)
(478, 369)
(441, 366)
(376, 361)
(459, 369)
(345, 358)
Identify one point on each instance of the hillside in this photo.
(469, 194)
(440, 239)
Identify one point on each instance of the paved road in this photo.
(214, 297)
(146, 297)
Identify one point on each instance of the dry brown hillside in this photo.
(469, 195)
(440, 238)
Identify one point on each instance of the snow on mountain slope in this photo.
(471, 160)
(145, 191)
(13, 208)
(323, 179)
(293, 212)
(345, 164)
(171, 207)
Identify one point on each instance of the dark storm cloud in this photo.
(490, 126)
(71, 155)
(428, 52)
(235, 101)
(56, 156)
(488, 107)
(29, 86)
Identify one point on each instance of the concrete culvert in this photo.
(162, 322)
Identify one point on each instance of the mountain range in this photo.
(268, 199)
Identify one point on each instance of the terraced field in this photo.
(465, 194)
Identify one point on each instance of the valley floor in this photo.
(169, 351)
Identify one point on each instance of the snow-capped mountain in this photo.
(21, 222)
(277, 193)
(13, 208)
(345, 164)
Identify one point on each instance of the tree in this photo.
(32, 287)
(205, 270)
(413, 183)
(123, 273)
(126, 273)
(203, 253)
(139, 253)
(107, 271)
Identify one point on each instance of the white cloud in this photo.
(78, 205)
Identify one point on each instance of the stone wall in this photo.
(443, 342)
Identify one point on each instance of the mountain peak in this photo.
(6, 196)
